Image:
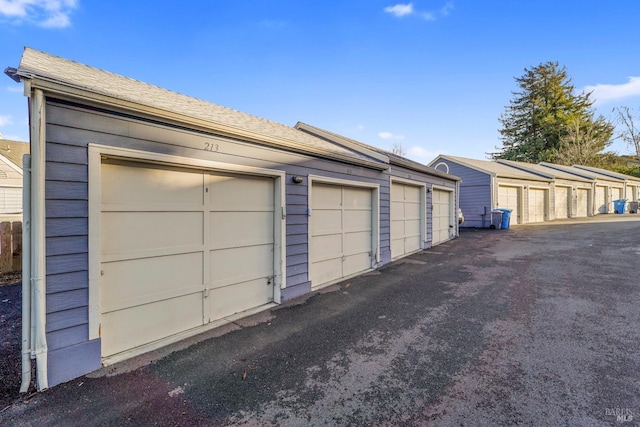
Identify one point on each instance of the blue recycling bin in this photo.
(506, 217)
(618, 205)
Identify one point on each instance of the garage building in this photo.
(154, 216)
(487, 185)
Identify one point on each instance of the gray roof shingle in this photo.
(40, 65)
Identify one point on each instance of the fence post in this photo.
(6, 255)
(16, 235)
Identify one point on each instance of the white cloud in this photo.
(15, 89)
(5, 120)
(420, 154)
(603, 93)
(389, 135)
(44, 13)
(400, 9)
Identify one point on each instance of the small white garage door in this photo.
(442, 216)
(582, 203)
(537, 204)
(341, 232)
(601, 199)
(563, 202)
(406, 218)
(508, 199)
(180, 248)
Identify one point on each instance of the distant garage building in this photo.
(606, 186)
(155, 216)
(487, 185)
(571, 194)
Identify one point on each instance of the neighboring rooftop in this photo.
(13, 150)
(552, 173)
(494, 168)
(393, 158)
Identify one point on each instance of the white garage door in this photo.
(406, 219)
(508, 199)
(583, 202)
(341, 232)
(537, 204)
(180, 248)
(442, 216)
(601, 199)
(563, 202)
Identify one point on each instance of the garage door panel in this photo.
(357, 198)
(357, 220)
(537, 205)
(147, 185)
(236, 265)
(229, 300)
(126, 282)
(341, 227)
(357, 242)
(397, 210)
(240, 193)
(583, 202)
(326, 247)
(356, 263)
(326, 221)
(397, 246)
(562, 201)
(135, 231)
(147, 212)
(601, 200)
(406, 219)
(147, 323)
(327, 271)
(441, 215)
(326, 197)
(232, 229)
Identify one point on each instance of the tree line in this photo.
(547, 121)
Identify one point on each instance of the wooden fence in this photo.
(10, 246)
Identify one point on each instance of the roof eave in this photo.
(69, 92)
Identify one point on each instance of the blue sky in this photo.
(433, 76)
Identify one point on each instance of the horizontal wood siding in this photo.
(475, 194)
(69, 131)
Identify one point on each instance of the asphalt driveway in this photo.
(535, 325)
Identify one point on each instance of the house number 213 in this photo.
(211, 147)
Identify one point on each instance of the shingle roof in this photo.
(581, 172)
(14, 150)
(36, 64)
(494, 168)
(393, 158)
(608, 173)
(553, 173)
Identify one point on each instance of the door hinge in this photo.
(205, 293)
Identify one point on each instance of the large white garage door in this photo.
(341, 232)
(537, 204)
(583, 203)
(563, 202)
(601, 199)
(180, 248)
(442, 216)
(508, 199)
(406, 218)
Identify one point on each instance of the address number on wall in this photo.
(211, 147)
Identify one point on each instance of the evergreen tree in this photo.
(541, 114)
